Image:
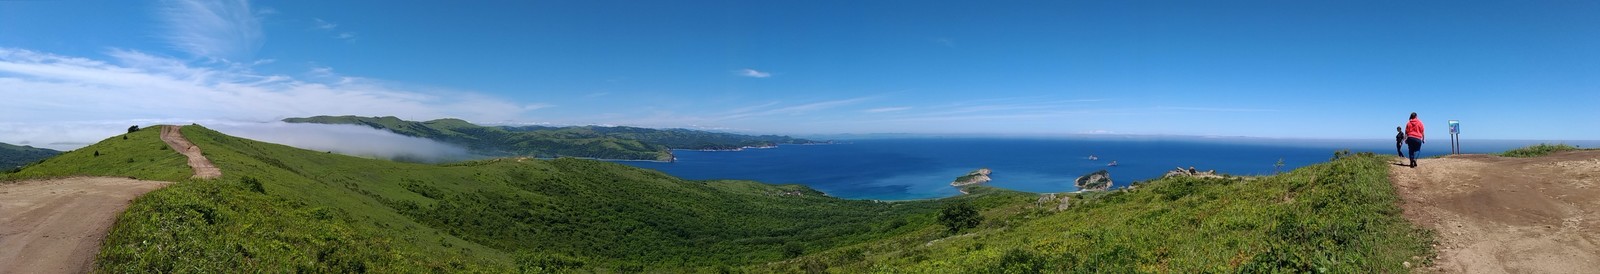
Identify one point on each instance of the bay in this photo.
(922, 168)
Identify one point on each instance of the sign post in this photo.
(1455, 137)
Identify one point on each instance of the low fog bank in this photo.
(354, 140)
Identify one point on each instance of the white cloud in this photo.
(352, 140)
(320, 24)
(216, 30)
(754, 73)
(537, 106)
(326, 26)
(886, 109)
(43, 89)
(1214, 109)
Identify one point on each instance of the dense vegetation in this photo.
(628, 143)
(1537, 150)
(1333, 217)
(278, 207)
(13, 156)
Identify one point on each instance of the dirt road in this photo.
(1507, 215)
(57, 225)
(203, 169)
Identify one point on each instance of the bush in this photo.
(253, 185)
(1537, 150)
(958, 216)
(793, 249)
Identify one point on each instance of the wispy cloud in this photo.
(754, 73)
(333, 28)
(886, 109)
(945, 41)
(1215, 109)
(320, 24)
(775, 108)
(537, 106)
(216, 30)
(43, 88)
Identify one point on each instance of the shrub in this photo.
(253, 185)
(958, 216)
(1537, 150)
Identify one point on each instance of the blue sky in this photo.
(1289, 69)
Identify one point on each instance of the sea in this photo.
(922, 168)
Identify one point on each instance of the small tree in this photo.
(793, 249)
(1278, 167)
(959, 216)
(133, 128)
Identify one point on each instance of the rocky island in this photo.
(975, 177)
(1096, 181)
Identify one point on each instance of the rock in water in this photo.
(975, 177)
(1098, 180)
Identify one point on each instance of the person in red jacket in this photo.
(1414, 137)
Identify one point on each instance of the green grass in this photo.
(285, 209)
(1537, 150)
(1336, 217)
(282, 209)
(142, 155)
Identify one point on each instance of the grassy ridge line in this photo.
(279, 209)
(264, 215)
(141, 155)
(626, 143)
(1338, 216)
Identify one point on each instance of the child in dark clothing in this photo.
(1399, 138)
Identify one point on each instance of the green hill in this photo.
(13, 156)
(627, 143)
(1341, 217)
(279, 208)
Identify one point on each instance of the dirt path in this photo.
(203, 169)
(57, 225)
(1507, 215)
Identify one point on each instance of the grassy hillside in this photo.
(285, 209)
(13, 156)
(138, 154)
(628, 143)
(282, 208)
(1332, 217)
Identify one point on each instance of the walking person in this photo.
(1399, 138)
(1414, 137)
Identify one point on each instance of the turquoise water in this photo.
(897, 169)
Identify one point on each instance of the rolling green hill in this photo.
(283, 209)
(278, 207)
(626, 143)
(13, 156)
(1340, 217)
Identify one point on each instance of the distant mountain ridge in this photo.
(621, 143)
(13, 156)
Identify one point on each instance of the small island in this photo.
(975, 177)
(1098, 180)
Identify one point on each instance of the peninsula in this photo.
(975, 177)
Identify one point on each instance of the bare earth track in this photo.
(57, 225)
(1507, 215)
(203, 169)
